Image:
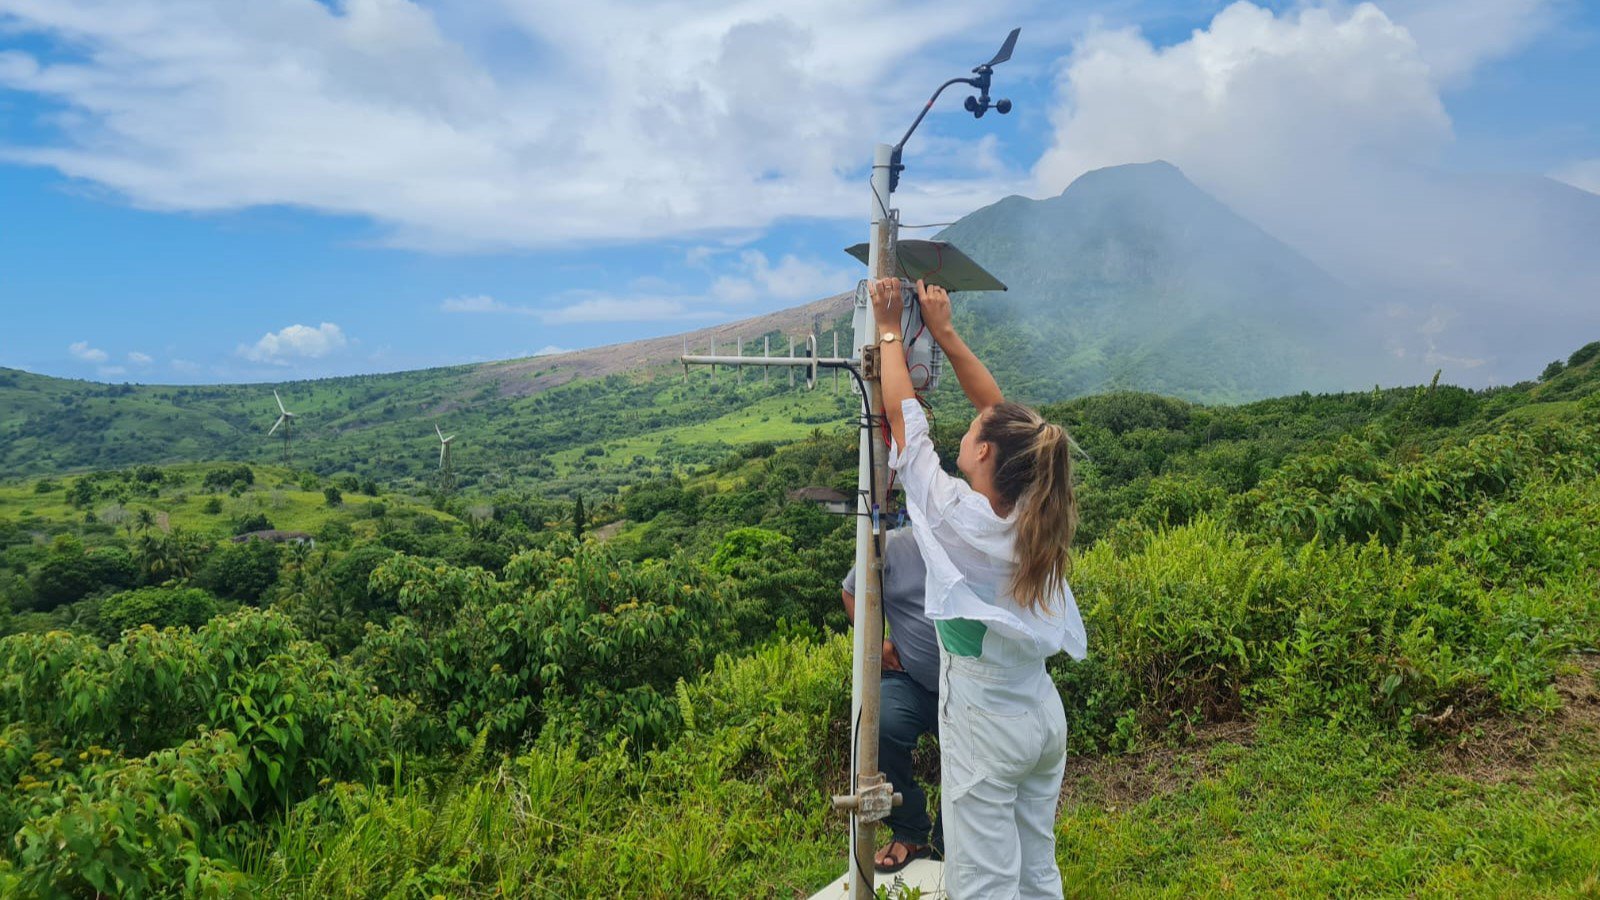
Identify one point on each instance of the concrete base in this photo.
(923, 874)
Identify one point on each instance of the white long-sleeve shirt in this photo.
(970, 553)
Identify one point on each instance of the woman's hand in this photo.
(935, 302)
(888, 307)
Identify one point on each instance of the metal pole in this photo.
(865, 681)
(766, 350)
(836, 353)
(791, 353)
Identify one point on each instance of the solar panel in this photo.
(937, 262)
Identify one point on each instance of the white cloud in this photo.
(600, 308)
(1247, 101)
(791, 279)
(81, 350)
(551, 350)
(139, 359)
(1584, 175)
(1455, 37)
(481, 303)
(631, 121)
(295, 342)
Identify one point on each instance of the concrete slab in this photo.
(925, 875)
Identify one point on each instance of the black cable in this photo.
(872, 486)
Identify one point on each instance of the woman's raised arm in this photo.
(974, 377)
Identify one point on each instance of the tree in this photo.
(69, 574)
(1555, 368)
(333, 495)
(159, 606)
(244, 571)
(579, 518)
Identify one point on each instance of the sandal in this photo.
(912, 852)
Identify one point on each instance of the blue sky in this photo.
(288, 189)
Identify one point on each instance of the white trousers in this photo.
(1003, 748)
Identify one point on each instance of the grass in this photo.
(1553, 411)
(768, 419)
(1512, 809)
(276, 494)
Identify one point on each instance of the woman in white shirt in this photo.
(996, 547)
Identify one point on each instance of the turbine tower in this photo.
(286, 420)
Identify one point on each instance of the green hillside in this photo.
(1358, 625)
(589, 432)
(1132, 279)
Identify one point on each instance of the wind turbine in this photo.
(444, 448)
(285, 419)
(446, 476)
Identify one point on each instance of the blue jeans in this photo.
(907, 711)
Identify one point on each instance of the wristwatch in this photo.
(888, 337)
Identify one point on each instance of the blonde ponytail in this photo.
(1033, 473)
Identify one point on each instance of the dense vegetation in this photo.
(474, 694)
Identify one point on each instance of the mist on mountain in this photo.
(1134, 278)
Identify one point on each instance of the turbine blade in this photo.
(280, 402)
(449, 439)
(275, 425)
(437, 431)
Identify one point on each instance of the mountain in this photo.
(1131, 279)
(1134, 278)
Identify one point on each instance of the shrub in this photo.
(251, 523)
(1584, 354)
(578, 642)
(159, 607)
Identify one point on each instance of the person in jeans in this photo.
(909, 706)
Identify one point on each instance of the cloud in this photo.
(693, 119)
(791, 279)
(481, 303)
(550, 350)
(1249, 100)
(81, 350)
(601, 308)
(1325, 125)
(139, 359)
(1584, 175)
(1456, 37)
(295, 342)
